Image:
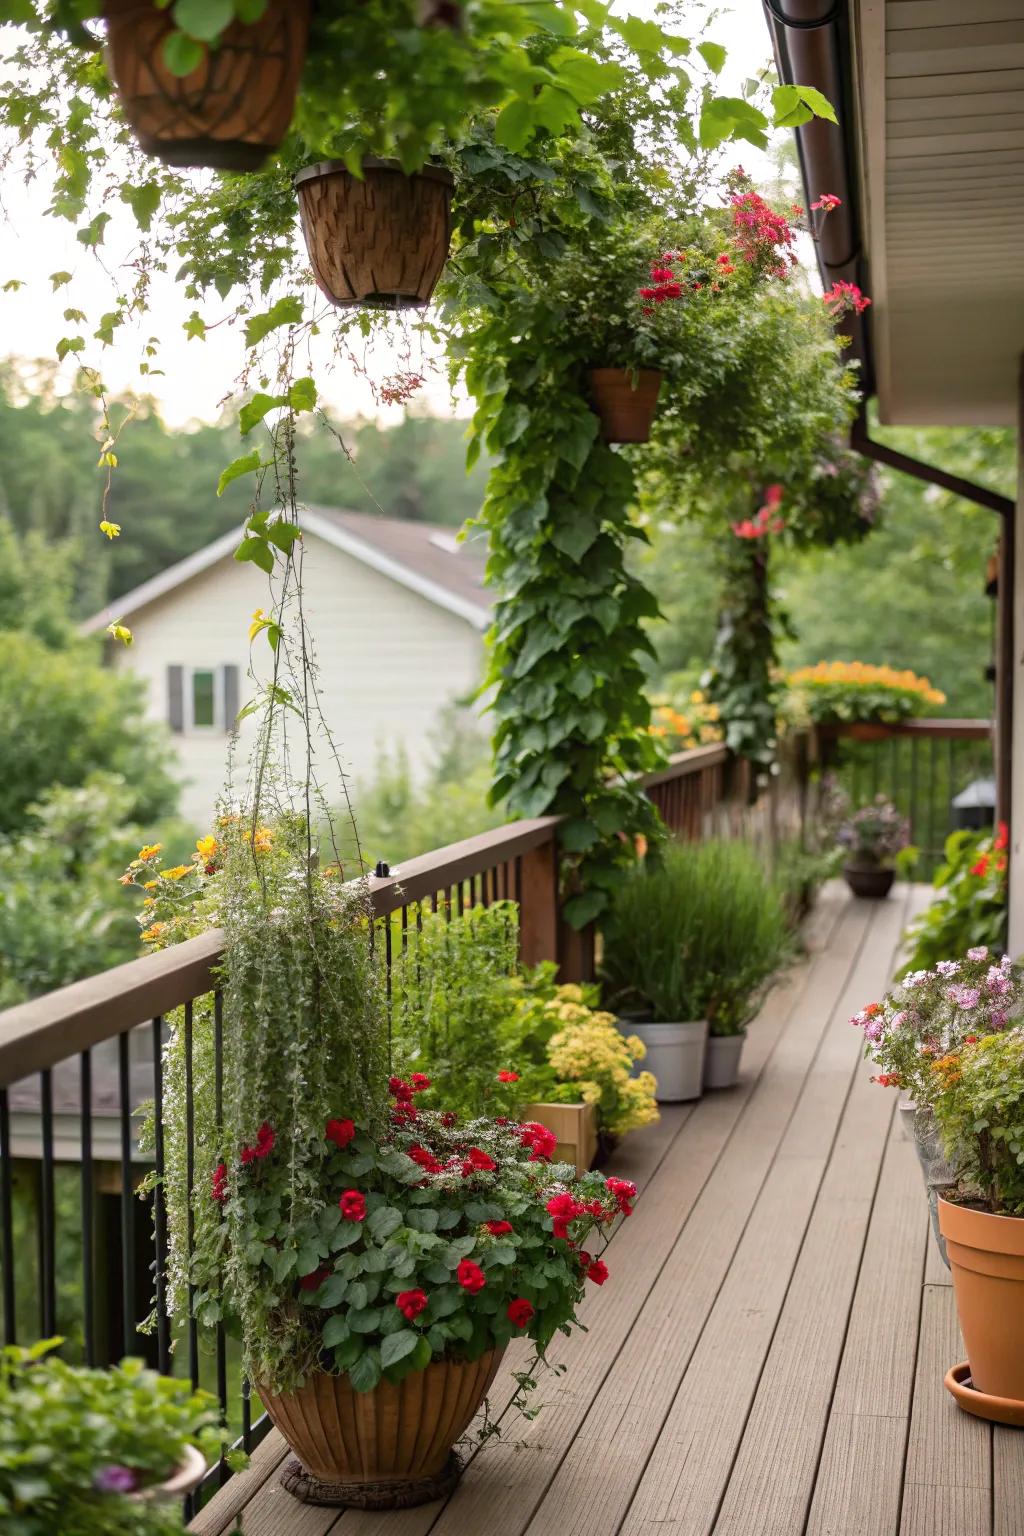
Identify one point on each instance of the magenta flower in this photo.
(115, 1479)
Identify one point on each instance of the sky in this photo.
(196, 373)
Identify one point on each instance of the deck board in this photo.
(767, 1359)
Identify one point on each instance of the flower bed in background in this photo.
(837, 692)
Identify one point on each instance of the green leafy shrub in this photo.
(696, 935)
(970, 907)
(798, 873)
(980, 1114)
(74, 1442)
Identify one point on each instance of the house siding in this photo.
(389, 661)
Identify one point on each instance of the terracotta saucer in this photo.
(999, 1410)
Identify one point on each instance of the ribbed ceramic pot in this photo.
(625, 402)
(395, 1434)
(233, 109)
(675, 1054)
(986, 1259)
(722, 1060)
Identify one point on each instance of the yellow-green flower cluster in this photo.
(588, 1049)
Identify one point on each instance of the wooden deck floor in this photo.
(767, 1357)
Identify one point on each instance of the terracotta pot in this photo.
(625, 402)
(986, 1258)
(381, 1448)
(868, 730)
(873, 881)
(382, 241)
(722, 1060)
(233, 110)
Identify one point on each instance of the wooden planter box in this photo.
(575, 1125)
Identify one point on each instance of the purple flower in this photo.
(115, 1479)
(948, 967)
(998, 1017)
(965, 997)
(979, 952)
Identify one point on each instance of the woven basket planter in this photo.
(382, 241)
(624, 402)
(230, 112)
(388, 1448)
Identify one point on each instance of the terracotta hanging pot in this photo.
(234, 109)
(986, 1259)
(381, 241)
(868, 730)
(625, 402)
(386, 1449)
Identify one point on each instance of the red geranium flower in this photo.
(219, 1183)
(478, 1161)
(981, 867)
(508, 1077)
(598, 1272)
(404, 1113)
(425, 1158)
(562, 1209)
(411, 1303)
(519, 1312)
(624, 1191)
(470, 1276)
(419, 1082)
(314, 1281)
(539, 1139)
(265, 1138)
(399, 1089)
(499, 1228)
(1002, 839)
(340, 1132)
(353, 1205)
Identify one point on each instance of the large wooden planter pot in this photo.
(986, 1258)
(625, 402)
(575, 1125)
(381, 241)
(386, 1449)
(234, 109)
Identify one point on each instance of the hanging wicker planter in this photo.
(233, 110)
(625, 402)
(382, 241)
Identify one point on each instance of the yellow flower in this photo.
(177, 872)
(153, 932)
(149, 852)
(263, 840)
(120, 632)
(207, 846)
(570, 992)
(149, 901)
(110, 529)
(150, 885)
(637, 1049)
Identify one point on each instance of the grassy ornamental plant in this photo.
(698, 935)
(75, 1444)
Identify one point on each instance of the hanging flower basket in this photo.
(230, 112)
(625, 402)
(381, 241)
(386, 1449)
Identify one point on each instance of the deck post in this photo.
(1015, 533)
(538, 903)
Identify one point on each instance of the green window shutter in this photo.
(230, 699)
(176, 698)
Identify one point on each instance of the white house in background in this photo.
(397, 611)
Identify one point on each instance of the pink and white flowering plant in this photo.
(916, 1034)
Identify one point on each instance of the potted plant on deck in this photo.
(952, 1038)
(97, 1452)
(859, 695)
(375, 1257)
(693, 939)
(873, 838)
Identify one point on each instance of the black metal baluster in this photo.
(518, 881)
(47, 1245)
(951, 767)
(88, 1294)
(246, 1415)
(462, 897)
(6, 1221)
(163, 1322)
(223, 1471)
(913, 792)
(190, 1172)
(127, 1195)
(931, 805)
(387, 986)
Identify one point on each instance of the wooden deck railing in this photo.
(80, 1254)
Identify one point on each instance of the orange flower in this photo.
(149, 852)
(153, 932)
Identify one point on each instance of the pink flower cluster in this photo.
(763, 236)
(845, 298)
(766, 520)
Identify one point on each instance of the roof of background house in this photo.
(424, 557)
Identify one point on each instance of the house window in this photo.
(205, 700)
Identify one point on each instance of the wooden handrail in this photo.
(930, 729)
(60, 1024)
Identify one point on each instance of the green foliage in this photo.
(740, 678)
(798, 873)
(980, 1115)
(67, 717)
(696, 935)
(970, 907)
(64, 1429)
(453, 993)
(400, 817)
(61, 915)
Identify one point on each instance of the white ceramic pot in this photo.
(722, 1061)
(675, 1054)
(185, 1479)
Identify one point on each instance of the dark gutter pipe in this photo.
(811, 43)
